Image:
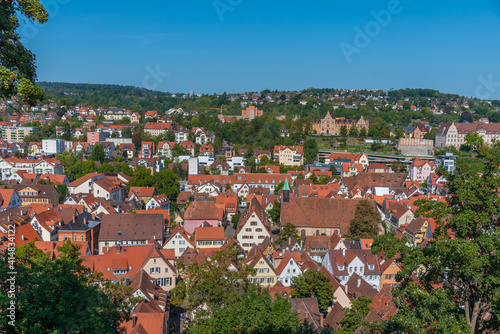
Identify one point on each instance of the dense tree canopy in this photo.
(458, 283)
(57, 295)
(17, 64)
(313, 283)
(366, 223)
(256, 313)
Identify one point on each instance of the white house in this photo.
(344, 263)
(179, 241)
(253, 226)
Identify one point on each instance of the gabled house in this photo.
(159, 201)
(253, 226)
(343, 264)
(209, 237)
(199, 212)
(294, 264)
(130, 229)
(264, 272)
(179, 241)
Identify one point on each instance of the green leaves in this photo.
(459, 271)
(366, 222)
(17, 64)
(253, 314)
(57, 295)
(313, 283)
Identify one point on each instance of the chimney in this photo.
(346, 289)
(321, 320)
(134, 320)
(127, 281)
(343, 252)
(22, 237)
(93, 216)
(85, 220)
(359, 282)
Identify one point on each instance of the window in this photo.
(82, 238)
(74, 237)
(166, 269)
(154, 270)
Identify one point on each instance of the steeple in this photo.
(286, 192)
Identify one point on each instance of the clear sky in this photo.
(243, 45)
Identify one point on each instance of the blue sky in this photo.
(249, 45)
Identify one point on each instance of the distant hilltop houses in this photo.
(331, 126)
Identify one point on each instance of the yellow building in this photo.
(416, 230)
(331, 126)
(13, 134)
(289, 155)
(264, 272)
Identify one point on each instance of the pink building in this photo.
(199, 212)
(420, 169)
(95, 137)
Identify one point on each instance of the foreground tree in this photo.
(57, 295)
(313, 283)
(289, 230)
(355, 317)
(98, 154)
(212, 282)
(17, 64)
(366, 223)
(255, 313)
(166, 182)
(458, 284)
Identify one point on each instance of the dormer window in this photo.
(371, 266)
(341, 267)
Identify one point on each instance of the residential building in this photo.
(419, 170)
(181, 136)
(95, 137)
(253, 226)
(292, 265)
(17, 134)
(199, 212)
(190, 146)
(159, 201)
(254, 180)
(157, 129)
(165, 149)
(114, 114)
(289, 155)
(209, 237)
(179, 241)
(53, 146)
(264, 271)
(147, 150)
(343, 264)
(130, 229)
(448, 161)
(9, 199)
(37, 194)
